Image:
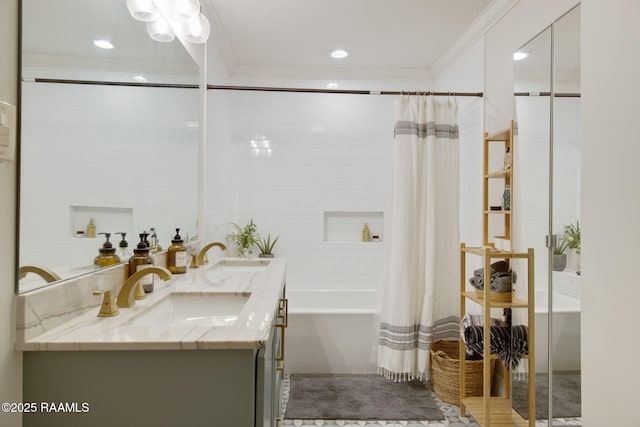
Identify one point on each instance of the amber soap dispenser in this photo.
(177, 255)
(141, 259)
(107, 255)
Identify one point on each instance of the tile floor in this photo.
(450, 412)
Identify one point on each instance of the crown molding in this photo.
(487, 19)
(220, 38)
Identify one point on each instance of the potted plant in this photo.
(266, 246)
(573, 239)
(245, 237)
(559, 257)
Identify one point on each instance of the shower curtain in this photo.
(420, 285)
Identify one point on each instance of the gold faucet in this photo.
(108, 307)
(203, 252)
(47, 275)
(126, 294)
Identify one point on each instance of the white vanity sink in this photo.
(184, 309)
(240, 265)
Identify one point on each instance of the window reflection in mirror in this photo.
(123, 153)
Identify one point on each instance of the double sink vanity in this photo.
(205, 348)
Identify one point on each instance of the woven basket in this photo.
(445, 372)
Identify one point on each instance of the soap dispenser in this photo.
(123, 247)
(177, 255)
(107, 254)
(366, 235)
(153, 241)
(91, 229)
(141, 259)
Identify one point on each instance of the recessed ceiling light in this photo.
(103, 44)
(520, 55)
(140, 79)
(339, 53)
(332, 85)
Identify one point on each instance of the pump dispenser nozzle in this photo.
(107, 253)
(123, 251)
(123, 242)
(107, 246)
(177, 238)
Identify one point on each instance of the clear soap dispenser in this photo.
(141, 259)
(177, 255)
(123, 247)
(107, 254)
(153, 241)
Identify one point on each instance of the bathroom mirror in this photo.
(109, 135)
(532, 112)
(547, 111)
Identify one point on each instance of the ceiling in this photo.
(390, 40)
(60, 33)
(399, 39)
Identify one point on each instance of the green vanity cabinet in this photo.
(159, 388)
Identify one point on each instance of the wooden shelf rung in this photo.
(502, 413)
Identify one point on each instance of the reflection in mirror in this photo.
(108, 136)
(532, 84)
(566, 155)
(550, 181)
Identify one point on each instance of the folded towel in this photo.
(509, 344)
(501, 277)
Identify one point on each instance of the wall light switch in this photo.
(7, 131)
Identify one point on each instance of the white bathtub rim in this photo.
(356, 309)
(571, 304)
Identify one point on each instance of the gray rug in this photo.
(566, 396)
(359, 397)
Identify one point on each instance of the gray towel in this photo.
(501, 277)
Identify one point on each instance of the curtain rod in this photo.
(556, 94)
(340, 91)
(107, 83)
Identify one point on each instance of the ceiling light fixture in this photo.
(182, 16)
(518, 56)
(197, 29)
(143, 10)
(103, 44)
(181, 10)
(339, 53)
(160, 30)
(332, 85)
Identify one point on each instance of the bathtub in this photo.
(566, 332)
(331, 331)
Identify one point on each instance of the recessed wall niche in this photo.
(346, 226)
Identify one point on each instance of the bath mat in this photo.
(566, 396)
(359, 397)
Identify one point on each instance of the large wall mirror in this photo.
(547, 111)
(109, 135)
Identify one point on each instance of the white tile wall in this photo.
(120, 147)
(532, 153)
(330, 153)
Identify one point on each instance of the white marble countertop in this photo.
(86, 331)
